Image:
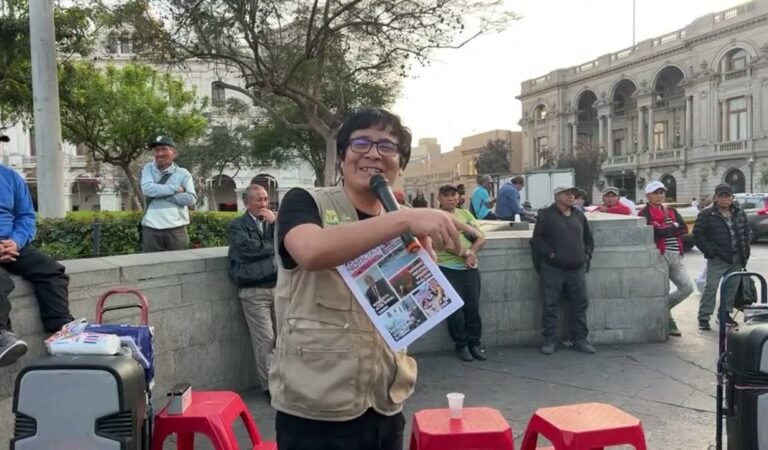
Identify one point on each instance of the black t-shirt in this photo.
(297, 208)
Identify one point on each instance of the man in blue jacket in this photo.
(19, 257)
(169, 192)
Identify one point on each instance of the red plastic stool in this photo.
(586, 426)
(211, 413)
(478, 429)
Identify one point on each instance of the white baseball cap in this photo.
(654, 186)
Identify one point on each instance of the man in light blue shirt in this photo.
(509, 199)
(169, 192)
(480, 203)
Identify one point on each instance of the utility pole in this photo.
(45, 92)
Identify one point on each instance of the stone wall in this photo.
(201, 336)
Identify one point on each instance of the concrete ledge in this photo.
(201, 335)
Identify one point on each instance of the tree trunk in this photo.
(329, 178)
(136, 196)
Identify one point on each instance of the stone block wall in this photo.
(201, 335)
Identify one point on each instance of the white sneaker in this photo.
(11, 348)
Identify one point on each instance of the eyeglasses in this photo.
(385, 149)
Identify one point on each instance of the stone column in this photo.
(688, 136)
(574, 135)
(749, 116)
(600, 133)
(651, 129)
(723, 121)
(239, 198)
(609, 135)
(640, 130)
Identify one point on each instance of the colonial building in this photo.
(689, 108)
(90, 186)
(429, 168)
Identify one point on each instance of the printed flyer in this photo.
(404, 294)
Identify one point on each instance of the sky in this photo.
(473, 89)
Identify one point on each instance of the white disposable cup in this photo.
(455, 404)
(517, 218)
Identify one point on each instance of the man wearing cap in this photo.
(723, 234)
(169, 192)
(460, 268)
(480, 203)
(668, 229)
(17, 256)
(611, 203)
(562, 245)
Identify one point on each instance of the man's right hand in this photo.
(180, 189)
(8, 251)
(438, 225)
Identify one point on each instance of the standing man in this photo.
(668, 229)
(611, 203)
(723, 234)
(335, 382)
(169, 192)
(460, 268)
(253, 269)
(563, 243)
(19, 257)
(480, 203)
(509, 200)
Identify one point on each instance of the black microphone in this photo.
(380, 188)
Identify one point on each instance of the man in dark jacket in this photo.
(563, 243)
(668, 227)
(723, 234)
(252, 268)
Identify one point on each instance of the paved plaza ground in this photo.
(669, 386)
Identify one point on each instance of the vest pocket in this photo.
(321, 371)
(405, 378)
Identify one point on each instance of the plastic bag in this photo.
(72, 339)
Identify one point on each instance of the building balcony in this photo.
(29, 162)
(666, 155)
(731, 147)
(620, 161)
(74, 160)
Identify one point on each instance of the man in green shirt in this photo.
(460, 268)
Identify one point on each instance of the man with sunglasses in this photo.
(334, 381)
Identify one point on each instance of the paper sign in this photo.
(404, 294)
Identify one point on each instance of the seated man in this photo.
(611, 203)
(252, 268)
(19, 257)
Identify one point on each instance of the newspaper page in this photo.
(404, 293)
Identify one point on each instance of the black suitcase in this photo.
(80, 402)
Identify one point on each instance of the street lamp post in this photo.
(45, 93)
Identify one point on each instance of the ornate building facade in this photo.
(90, 186)
(689, 108)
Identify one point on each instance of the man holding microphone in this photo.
(334, 381)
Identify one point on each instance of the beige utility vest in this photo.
(329, 362)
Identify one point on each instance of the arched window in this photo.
(125, 43)
(736, 59)
(671, 184)
(218, 94)
(735, 179)
(540, 113)
(112, 43)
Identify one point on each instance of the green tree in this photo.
(494, 158)
(308, 53)
(116, 111)
(586, 162)
(231, 141)
(75, 28)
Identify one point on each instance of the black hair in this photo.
(518, 180)
(374, 117)
(623, 192)
(448, 189)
